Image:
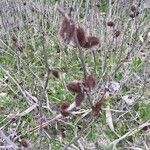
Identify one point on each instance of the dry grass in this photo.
(30, 94)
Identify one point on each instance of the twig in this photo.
(76, 41)
(72, 106)
(14, 80)
(80, 55)
(3, 136)
(131, 132)
(94, 58)
(63, 13)
(79, 136)
(45, 85)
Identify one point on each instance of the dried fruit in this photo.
(62, 130)
(79, 99)
(133, 8)
(137, 13)
(66, 30)
(111, 24)
(63, 108)
(56, 73)
(90, 82)
(24, 143)
(65, 113)
(91, 41)
(132, 15)
(116, 33)
(112, 2)
(75, 87)
(24, 3)
(96, 108)
(80, 33)
(98, 5)
(134, 12)
(70, 11)
(146, 128)
(14, 38)
(1, 143)
(64, 105)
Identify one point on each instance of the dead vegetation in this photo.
(74, 75)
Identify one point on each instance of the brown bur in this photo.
(81, 37)
(85, 41)
(66, 31)
(63, 108)
(75, 86)
(90, 82)
(91, 41)
(79, 99)
(96, 108)
(69, 32)
(56, 72)
(110, 24)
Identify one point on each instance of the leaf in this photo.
(119, 75)
(144, 112)
(28, 110)
(109, 120)
(84, 41)
(136, 62)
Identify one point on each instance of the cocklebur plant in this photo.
(69, 31)
(112, 45)
(81, 88)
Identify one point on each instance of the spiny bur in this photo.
(80, 33)
(91, 41)
(66, 31)
(133, 8)
(79, 99)
(56, 73)
(116, 33)
(24, 143)
(14, 38)
(96, 108)
(63, 109)
(75, 86)
(110, 24)
(62, 131)
(90, 82)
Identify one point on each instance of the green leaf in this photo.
(144, 112)
(119, 75)
(136, 62)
